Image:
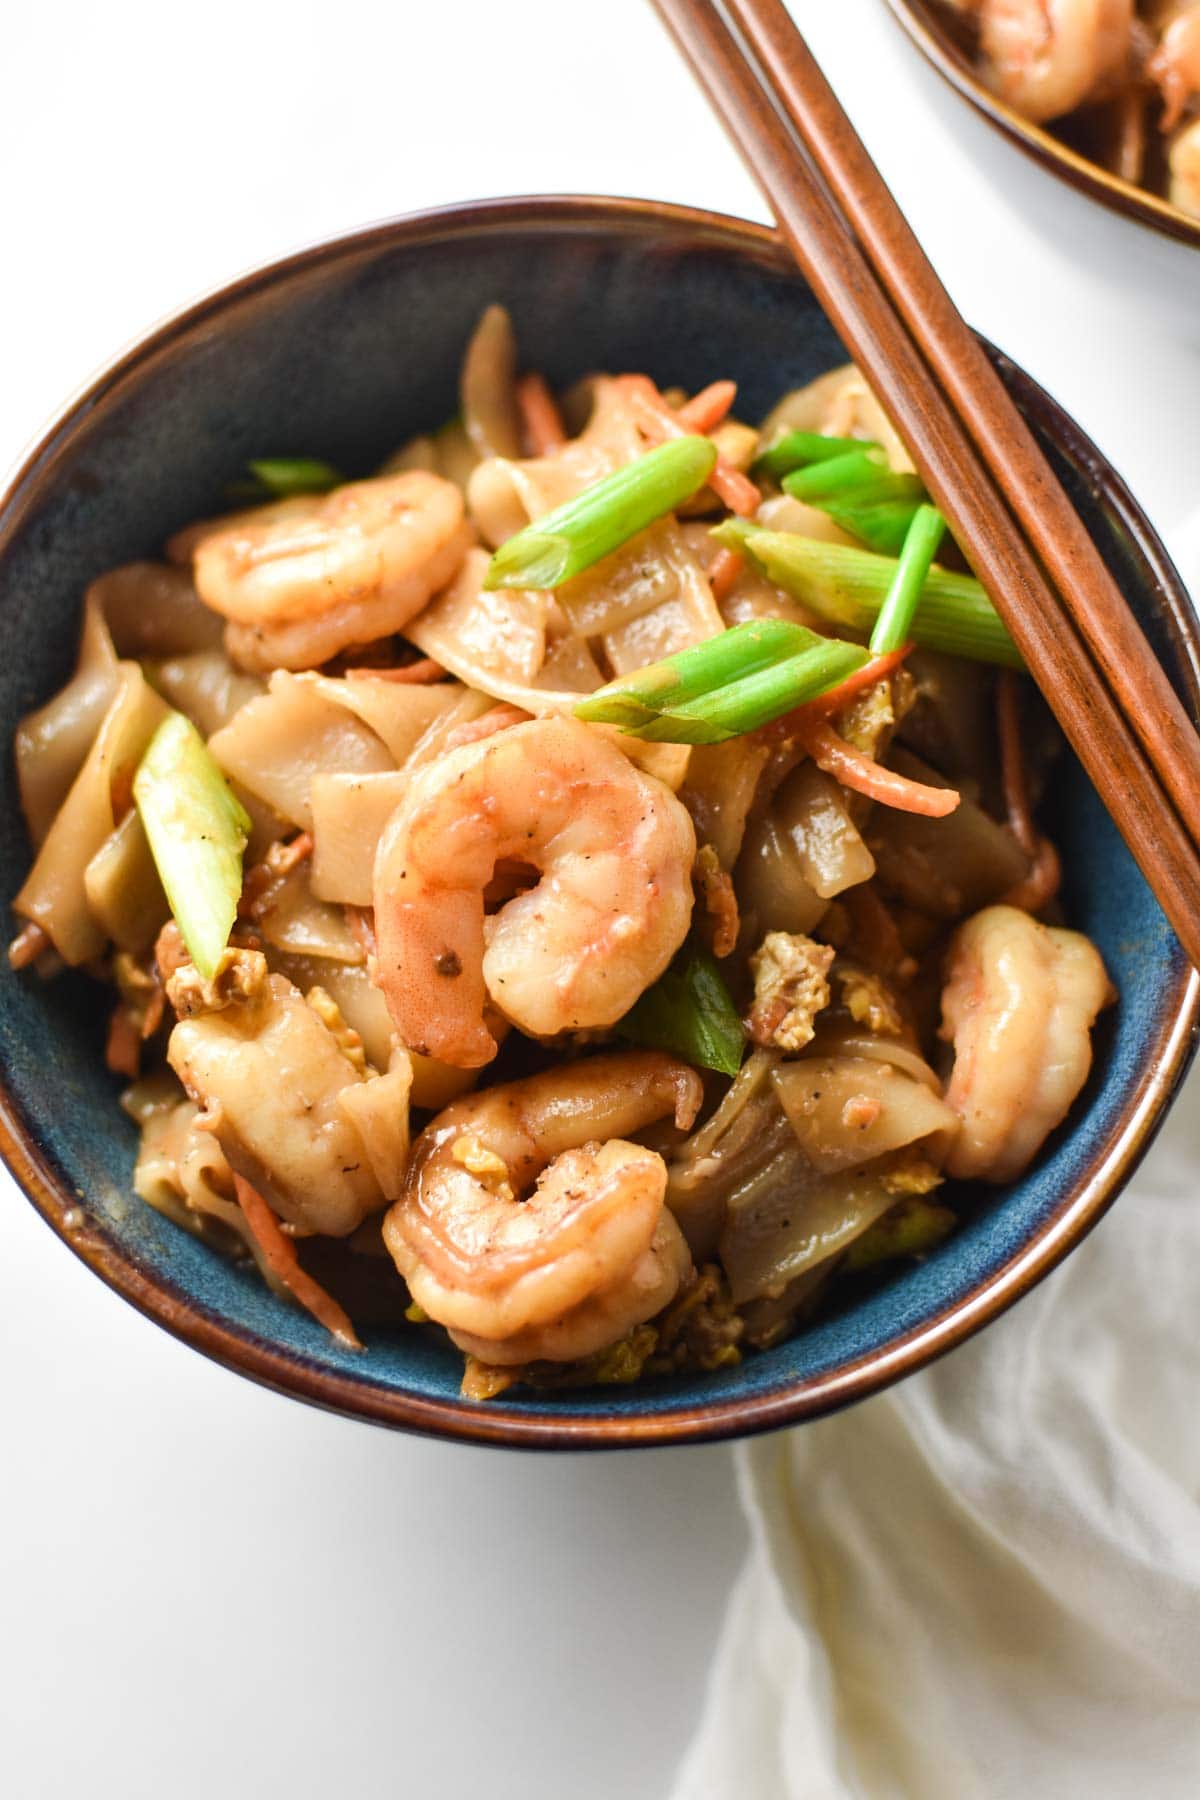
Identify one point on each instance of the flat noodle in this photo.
(790, 1221)
(349, 813)
(153, 610)
(378, 1110)
(813, 813)
(269, 1070)
(294, 919)
(505, 494)
(274, 745)
(849, 1110)
(54, 895)
(685, 613)
(124, 894)
(52, 743)
(363, 1007)
(206, 687)
(399, 713)
(570, 667)
(497, 635)
(719, 791)
(182, 1173)
(841, 404)
(653, 571)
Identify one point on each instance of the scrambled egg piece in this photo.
(330, 1014)
(869, 1000)
(790, 989)
(478, 1160)
(240, 975)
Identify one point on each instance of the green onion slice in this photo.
(726, 686)
(847, 587)
(797, 449)
(606, 515)
(894, 624)
(197, 829)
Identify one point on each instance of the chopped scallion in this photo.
(726, 686)
(606, 515)
(873, 504)
(894, 625)
(281, 477)
(197, 829)
(847, 587)
(854, 473)
(797, 449)
(641, 696)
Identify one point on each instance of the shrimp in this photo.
(1175, 64)
(593, 1250)
(1045, 57)
(1019, 1006)
(614, 848)
(304, 578)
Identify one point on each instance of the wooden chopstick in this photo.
(944, 452)
(1050, 522)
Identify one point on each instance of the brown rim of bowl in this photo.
(920, 20)
(1079, 1207)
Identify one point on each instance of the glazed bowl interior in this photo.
(929, 28)
(343, 352)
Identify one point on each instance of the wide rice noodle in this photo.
(54, 895)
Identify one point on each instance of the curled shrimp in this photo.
(304, 578)
(1045, 57)
(1175, 64)
(1019, 1005)
(614, 849)
(590, 1253)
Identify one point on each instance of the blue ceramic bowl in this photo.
(344, 351)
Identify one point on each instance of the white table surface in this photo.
(205, 1589)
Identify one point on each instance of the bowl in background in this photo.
(928, 27)
(344, 351)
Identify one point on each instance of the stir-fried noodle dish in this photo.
(1117, 80)
(578, 889)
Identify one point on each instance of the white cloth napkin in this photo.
(984, 1584)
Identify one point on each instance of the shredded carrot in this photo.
(279, 1254)
(361, 920)
(865, 776)
(123, 1047)
(727, 566)
(27, 946)
(705, 410)
(544, 428)
(825, 706)
(423, 670)
(658, 421)
(498, 719)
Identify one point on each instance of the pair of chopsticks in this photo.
(977, 457)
